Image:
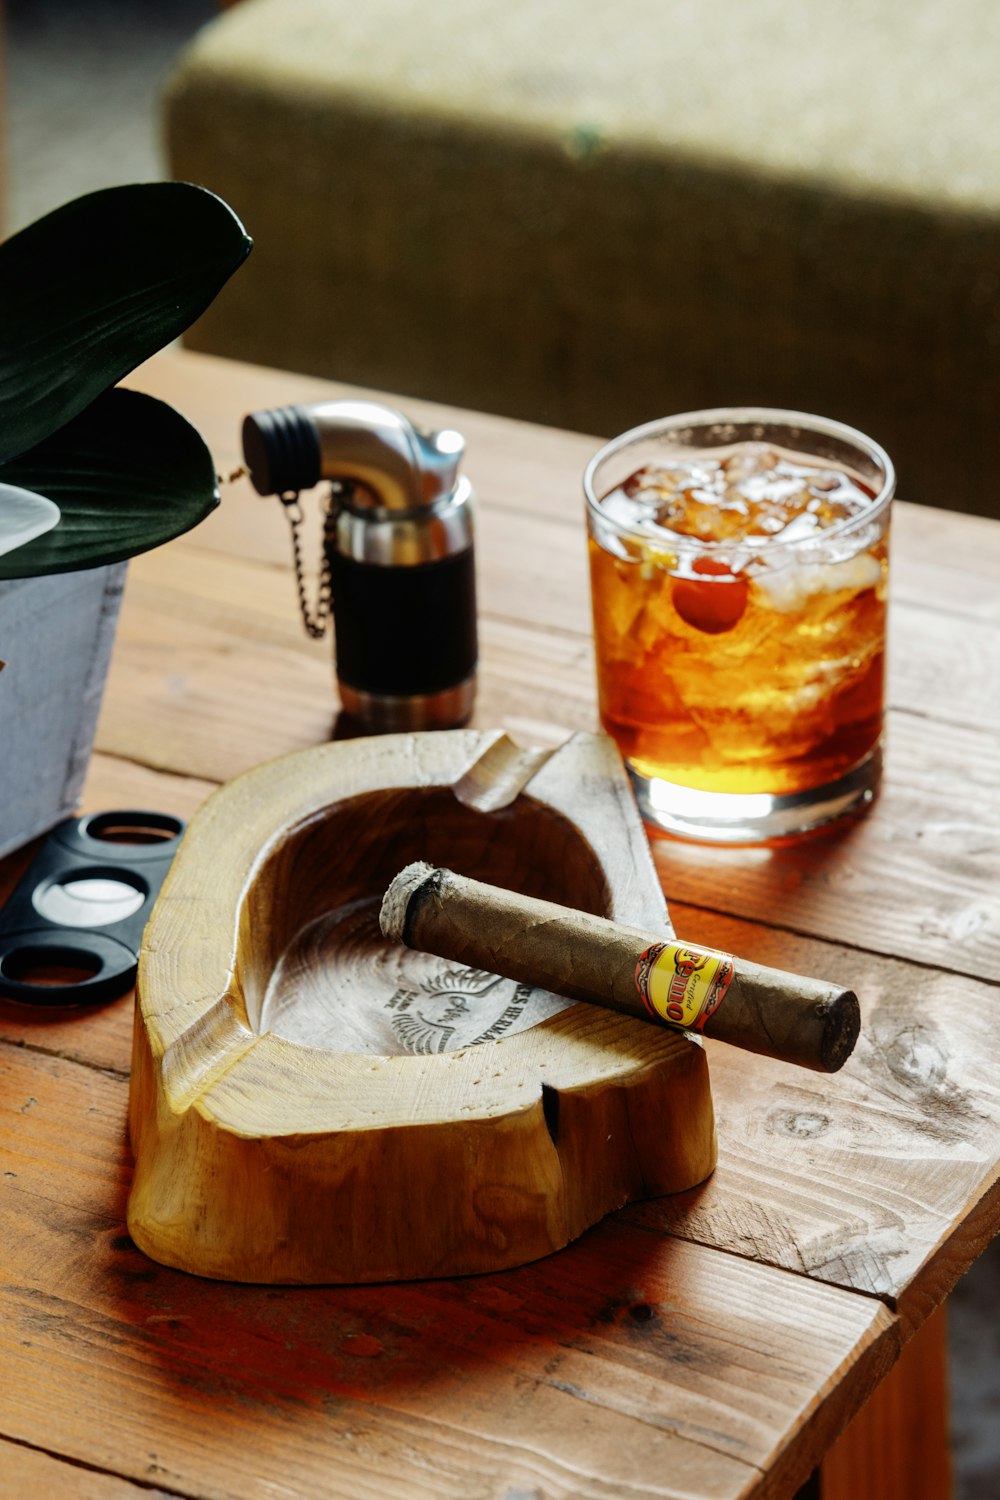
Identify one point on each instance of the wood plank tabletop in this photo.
(709, 1345)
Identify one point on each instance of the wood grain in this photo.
(913, 1116)
(377, 1149)
(919, 880)
(627, 1366)
(912, 882)
(898, 1443)
(206, 715)
(26, 1472)
(884, 1182)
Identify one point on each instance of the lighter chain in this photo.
(316, 621)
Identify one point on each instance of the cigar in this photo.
(809, 1022)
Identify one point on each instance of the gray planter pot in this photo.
(55, 637)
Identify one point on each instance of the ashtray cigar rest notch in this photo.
(310, 1103)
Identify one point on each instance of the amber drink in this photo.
(738, 575)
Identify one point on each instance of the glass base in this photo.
(730, 818)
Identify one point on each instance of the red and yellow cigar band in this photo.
(682, 985)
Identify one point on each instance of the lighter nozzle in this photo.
(373, 448)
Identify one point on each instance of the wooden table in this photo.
(710, 1346)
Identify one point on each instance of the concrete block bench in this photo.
(592, 215)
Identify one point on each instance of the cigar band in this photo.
(682, 985)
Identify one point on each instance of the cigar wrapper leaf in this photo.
(809, 1022)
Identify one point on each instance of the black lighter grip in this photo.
(404, 631)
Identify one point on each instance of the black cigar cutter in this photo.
(70, 932)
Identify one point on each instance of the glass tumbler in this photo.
(739, 566)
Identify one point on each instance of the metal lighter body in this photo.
(399, 552)
(404, 610)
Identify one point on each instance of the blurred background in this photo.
(83, 80)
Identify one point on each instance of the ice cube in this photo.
(769, 525)
(629, 511)
(748, 461)
(749, 492)
(790, 588)
(655, 483)
(798, 528)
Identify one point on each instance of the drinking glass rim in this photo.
(826, 426)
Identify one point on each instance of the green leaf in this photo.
(93, 289)
(127, 474)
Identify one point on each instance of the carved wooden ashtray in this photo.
(311, 1103)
